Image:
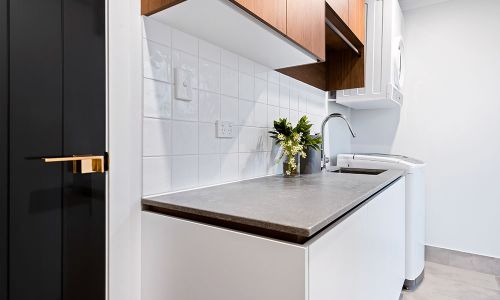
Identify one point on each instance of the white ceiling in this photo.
(413, 4)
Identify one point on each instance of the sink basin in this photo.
(358, 171)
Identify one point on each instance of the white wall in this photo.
(124, 76)
(180, 147)
(450, 119)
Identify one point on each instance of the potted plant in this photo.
(293, 142)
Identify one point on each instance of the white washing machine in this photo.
(415, 205)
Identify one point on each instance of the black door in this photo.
(52, 104)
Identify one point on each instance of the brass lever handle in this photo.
(81, 163)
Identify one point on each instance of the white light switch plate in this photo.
(225, 129)
(183, 84)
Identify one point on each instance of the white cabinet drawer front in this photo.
(183, 260)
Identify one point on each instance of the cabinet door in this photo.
(272, 12)
(357, 18)
(305, 24)
(341, 7)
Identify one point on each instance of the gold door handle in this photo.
(81, 163)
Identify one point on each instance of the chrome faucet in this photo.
(324, 160)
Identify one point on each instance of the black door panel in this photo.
(52, 228)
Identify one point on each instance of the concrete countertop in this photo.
(299, 206)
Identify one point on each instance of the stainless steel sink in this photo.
(358, 171)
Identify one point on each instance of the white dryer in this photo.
(415, 205)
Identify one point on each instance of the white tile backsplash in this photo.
(180, 147)
(209, 169)
(156, 175)
(229, 82)
(208, 142)
(184, 137)
(156, 32)
(157, 99)
(209, 51)
(184, 172)
(246, 87)
(156, 137)
(209, 107)
(186, 110)
(209, 79)
(184, 42)
(157, 61)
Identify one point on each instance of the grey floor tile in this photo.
(450, 283)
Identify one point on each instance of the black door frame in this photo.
(4, 150)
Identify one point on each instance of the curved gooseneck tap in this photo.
(331, 116)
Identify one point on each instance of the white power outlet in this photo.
(225, 129)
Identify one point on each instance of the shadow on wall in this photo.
(376, 130)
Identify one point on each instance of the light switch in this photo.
(225, 129)
(183, 84)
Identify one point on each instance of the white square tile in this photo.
(229, 109)
(261, 164)
(229, 82)
(294, 99)
(157, 99)
(261, 71)
(284, 80)
(209, 76)
(209, 51)
(246, 112)
(208, 142)
(156, 31)
(209, 169)
(184, 137)
(302, 101)
(209, 107)
(247, 165)
(294, 117)
(315, 104)
(252, 139)
(156, 172)
(156, 137)
(245, 66)
(284, 96)
(260, 115)
(285, 113)
(246, 87)
(184, 172)
(229, 59)
(273, 77)
(273, 114)
(260, 91)
(184, 42)
(186, 62)
(186, 110)
(157, 62)
(273, 94)
(229, 170)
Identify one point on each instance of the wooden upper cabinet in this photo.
(273, 12)
(149, 7)
(341, 7)
(357, 18)
(305, 24)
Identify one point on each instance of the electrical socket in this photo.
(225, 129)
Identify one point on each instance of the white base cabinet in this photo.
(361, 257)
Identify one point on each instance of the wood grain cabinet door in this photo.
(341, 7)
(305, 25)
(357, 18)
(273, 12)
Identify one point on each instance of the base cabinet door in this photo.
(184, 260)
(363, 256)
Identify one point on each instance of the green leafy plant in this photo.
(294, 141)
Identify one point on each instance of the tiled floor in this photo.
(443, 282)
